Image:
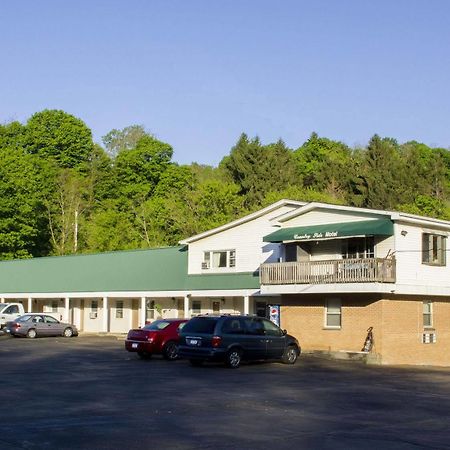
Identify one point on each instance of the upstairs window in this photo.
(358, 248)
(219, 259)
(433, 249)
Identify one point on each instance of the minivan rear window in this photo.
(200, 325)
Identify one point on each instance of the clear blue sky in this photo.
(197, 73)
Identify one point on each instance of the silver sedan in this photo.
(37, 324)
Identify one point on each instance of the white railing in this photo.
(367, 270)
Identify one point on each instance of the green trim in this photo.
(377, 227)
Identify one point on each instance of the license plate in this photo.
(134, 345)
(193, 342)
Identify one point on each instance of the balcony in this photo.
(367, 270)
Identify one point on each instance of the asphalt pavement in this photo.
(89, 393)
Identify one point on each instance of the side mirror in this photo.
(283, 332)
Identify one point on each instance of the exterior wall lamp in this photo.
(403, 232)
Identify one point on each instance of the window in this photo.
(216, 307)
(157, 325)
(358, 248)
(150, 309)
(94, 306)
(271, 329)
(196, 307)
(427, 314)
(333, 313)
(13, 309)
(54, 306)
(219, 259)
(233, 325)
(261, 309)
(433, 249)
(119, 310)
(49, 319)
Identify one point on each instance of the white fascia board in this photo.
(242, 220)
(315, 205)
(423, 221)
(357, 288)
(132, 294)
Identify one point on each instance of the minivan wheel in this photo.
(290, 355)
(31, 333)
(196, 362)
(233, 358)
(170, 351)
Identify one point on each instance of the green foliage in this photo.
(126, 139)
(60, 136)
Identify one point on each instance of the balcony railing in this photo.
(367, 270)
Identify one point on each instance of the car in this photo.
(33, 325)
(158, 337)
(234, 338)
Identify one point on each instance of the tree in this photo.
(256, 169)
(117, 141)
(60, 136)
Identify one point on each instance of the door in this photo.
(53, 326)
(216, 307)
(255, 338)
(39, 325)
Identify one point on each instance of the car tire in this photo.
(196, 362)
(290, 355)
(233, 358)
(31, 333)
(170, 351)
(144, 355)
(68, 332)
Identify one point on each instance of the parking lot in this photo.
(89, 393)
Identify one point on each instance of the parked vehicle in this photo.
(159, 337)
(10, 312)
(34, 325)
(231, 339)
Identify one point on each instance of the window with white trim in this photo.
(427, 314)
(219, 259)
(358, 248)
(54, 306)
(333, 313)
(119, 309)
(433, 249)
(196, 307)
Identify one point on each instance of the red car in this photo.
(160, 337)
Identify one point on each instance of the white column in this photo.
(186, 306)
(105, 315)
(246, 305)
(30, 304)
(142, 312)
(66, 310)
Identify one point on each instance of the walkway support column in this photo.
(66, 310)
(30, 305)
(246, 304)
(186, 306)
(142, 311)
(105, 315)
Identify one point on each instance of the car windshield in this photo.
(157, 325)
(200, 325)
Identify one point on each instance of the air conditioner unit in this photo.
(205, 265)
(428, 338)
(92, 315)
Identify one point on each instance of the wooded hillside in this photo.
(61, 193)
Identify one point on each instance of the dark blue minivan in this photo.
(232, 339)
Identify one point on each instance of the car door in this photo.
(255, 338)
(39, 325)
(53, 326)
(275, 339)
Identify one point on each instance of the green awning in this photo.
(377, 227)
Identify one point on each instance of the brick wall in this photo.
(397, 327)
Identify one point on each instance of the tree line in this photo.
(61, 193)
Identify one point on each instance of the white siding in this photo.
(320, 217)
(246, 239)
(410, 269)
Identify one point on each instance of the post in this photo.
(66, 309)
(246, 305)
(186, 306)
(143, 312)
(105, 315)
(30, 305)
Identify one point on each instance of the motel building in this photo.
(335, 271)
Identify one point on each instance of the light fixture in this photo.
(403, 232)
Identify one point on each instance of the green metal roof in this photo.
(162, 269)
(377, 227)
